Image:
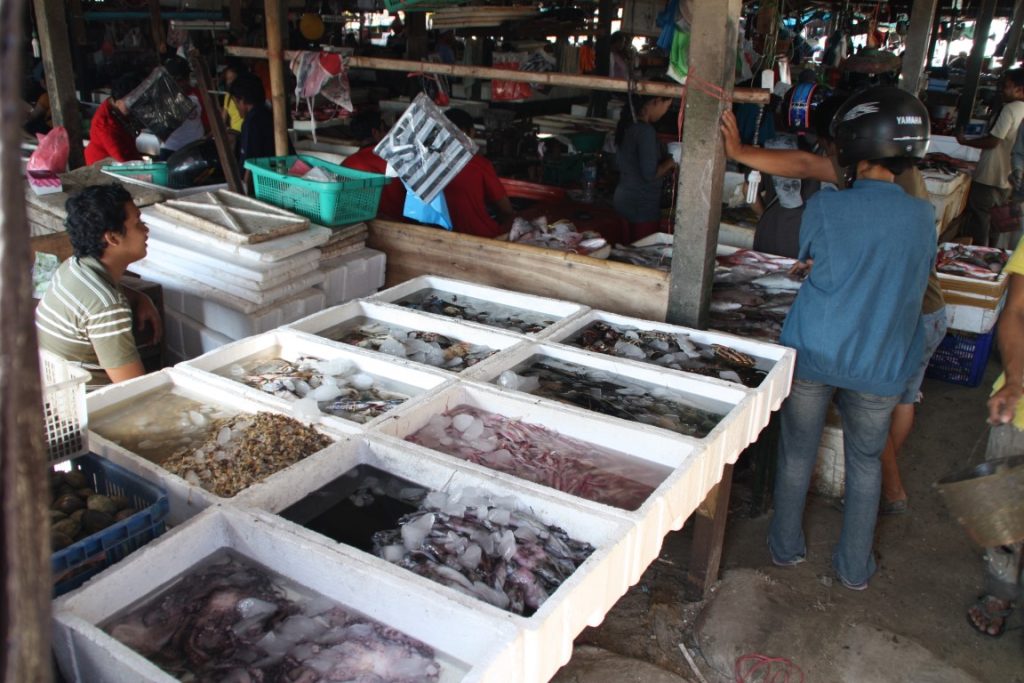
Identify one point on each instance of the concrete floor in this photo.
(908, 626)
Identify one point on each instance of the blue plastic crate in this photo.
(83, 559)
(961, 358)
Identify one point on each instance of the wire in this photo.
(768, 670)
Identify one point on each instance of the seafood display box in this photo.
(185, 499)
(972, 291)
(341, 317)
(544, 640)
(77, 563)
(666, 509)
(562, 311)
(214, 367)
(778, 361)
(478, 648)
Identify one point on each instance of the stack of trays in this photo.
(479, 640)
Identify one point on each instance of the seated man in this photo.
(368, 129)
(85, 316)
(257, 137)
(476, 186)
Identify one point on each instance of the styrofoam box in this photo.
(484, 645)
(184, 498)
(353, 275)
(234, 322)
(582, 600)
(829, 478)
(270, 251)
(394, 315)
(777, 361)
(190, 338)
(290, 346)
(562, 311)
(942, 184)
(723, 444)
(668, 506)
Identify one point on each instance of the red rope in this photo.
(768, 670)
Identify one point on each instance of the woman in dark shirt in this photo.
(641, 166)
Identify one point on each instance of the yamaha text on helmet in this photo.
(882, 122)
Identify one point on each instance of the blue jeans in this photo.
(866, 420)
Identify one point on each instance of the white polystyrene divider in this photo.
(217, 271)
(185, 499)
(486, 645)
(734, 432)
(668, 506)
(290, 346)
(395, 315)
(582, 600)
(777, 361)
(269, 251)
(562, 311)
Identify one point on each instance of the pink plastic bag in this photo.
(52, 153)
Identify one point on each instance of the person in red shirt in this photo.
(476, 186)
(112, 133)
(368, 129)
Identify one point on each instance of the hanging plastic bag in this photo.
(504, 91)
(434, 212)
(52, 153)
(158, 103)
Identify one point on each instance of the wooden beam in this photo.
(60, 80)
(274, 17)
(156, 27)
(699, 193)
(753, 95)
(25, 584)
(1014, 35)
(915, 57)
(933, 41)
(228, 160)
(708, 536)
(970, 92)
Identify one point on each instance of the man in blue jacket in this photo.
(856, 322)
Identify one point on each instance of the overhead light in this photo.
(199, 25)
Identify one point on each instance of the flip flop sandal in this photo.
(981, 604)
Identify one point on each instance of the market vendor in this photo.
(368, 128)
(112, 132)
(85, 316)
(642, 165)
(257, 137)
(474, 188)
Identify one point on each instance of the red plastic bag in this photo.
(52, 153)
(503, 91)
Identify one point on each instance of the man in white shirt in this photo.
(991, 184)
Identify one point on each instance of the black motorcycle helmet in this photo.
(881, 122)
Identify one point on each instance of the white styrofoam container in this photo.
(164, 228)
(975, 319)
(206, 266)
(777, 361)
(394, 315)
(940, 183)
(213, 367)
(353, 275)
(561, 311)
(190, 338)
(665, 510)
(485, 645)
(723, 444)
(582, 600)
(233, 322)
(151, 268)
(185, 499)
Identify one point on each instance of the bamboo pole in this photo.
(275, 53)
(752, 95)
(60, 79)
(156, 26)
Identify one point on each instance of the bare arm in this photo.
(505, 210)
(665, 167)
(987, 142)
(787, 163)
(126, 372)
(1010, 335)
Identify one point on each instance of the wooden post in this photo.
(699, 194)
(602, 48)
(60, 81)
(970, 92)
(1014, 35)
(275, 54)
(916, 55)
(708, 534)
(228, 161)
(235, 15)
(934, 40)
(25, 584)
(156, 27)
(415, 35)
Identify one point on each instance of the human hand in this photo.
(960, 136)
(730, 134)
(802, 269)
(666, 166)
(146, 314)
(1003, 404)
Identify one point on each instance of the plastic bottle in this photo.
(589, 182)
(35, 45)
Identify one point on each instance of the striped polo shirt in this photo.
(84, 318)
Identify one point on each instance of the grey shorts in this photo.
(934, 333)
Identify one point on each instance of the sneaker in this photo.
(788, 563)
(862, 586)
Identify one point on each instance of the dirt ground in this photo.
(908, 626)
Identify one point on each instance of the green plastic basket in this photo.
(347, 201)
(155, 172)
